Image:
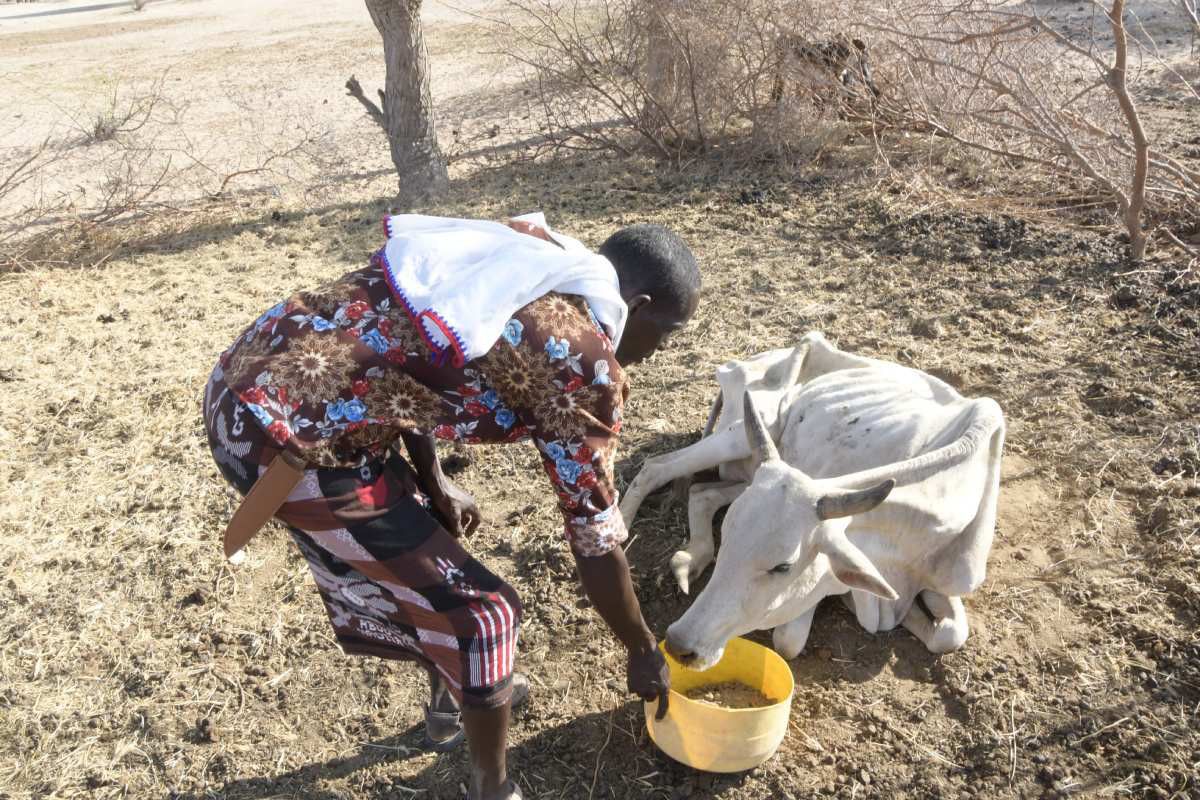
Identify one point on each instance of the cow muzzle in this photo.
(678, 650)
(691, 655)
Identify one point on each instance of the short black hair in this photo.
(651, 260)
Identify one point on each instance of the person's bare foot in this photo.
(510, 791)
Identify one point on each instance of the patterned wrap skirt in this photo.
(395, 583)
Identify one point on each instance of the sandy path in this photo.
(240, 81)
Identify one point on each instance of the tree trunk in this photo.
(660, 61)
(1132, 212)
(408, 104)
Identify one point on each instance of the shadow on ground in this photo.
(588, 754)
(587, 188)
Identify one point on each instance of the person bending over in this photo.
(466, 331)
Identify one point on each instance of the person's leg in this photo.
(397, 584)
(443, 722)
(440, 698)
(350, 543)
(487, 738)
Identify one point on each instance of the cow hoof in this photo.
(789, 638)
(686, 567)
(947, 636)
(681, 564)
(785, 651)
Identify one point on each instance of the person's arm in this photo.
(607, 583)
(577, 422)
(559, 376)
(457, 507)
(423, 453)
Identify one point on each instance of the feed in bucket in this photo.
(730, 694)
(713, 724)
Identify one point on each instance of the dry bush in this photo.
(1006, 81)
(117, 143)
(687, 76)
(22, 166)
(123, 114)
(999, 79)
(682, 77)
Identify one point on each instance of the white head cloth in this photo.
(462, 280)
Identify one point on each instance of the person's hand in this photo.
(457, 509)
(649, 678)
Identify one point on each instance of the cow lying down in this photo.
(845, 474)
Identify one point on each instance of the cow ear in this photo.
(852, 567)
(860, 44)
(762, 447)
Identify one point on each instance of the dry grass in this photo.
(136, 664)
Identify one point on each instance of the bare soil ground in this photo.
(135, 663)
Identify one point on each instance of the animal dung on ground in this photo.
(730, 694)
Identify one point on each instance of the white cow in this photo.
(886, 489)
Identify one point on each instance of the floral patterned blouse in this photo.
(335, 374)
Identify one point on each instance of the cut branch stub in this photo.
(355, 90)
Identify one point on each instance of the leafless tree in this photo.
(407, 104)
(1001, 79)
(1131, 198)
(1191, 10)
(1007, 81)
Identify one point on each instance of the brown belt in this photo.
(265, 497)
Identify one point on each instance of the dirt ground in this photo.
(135, 663)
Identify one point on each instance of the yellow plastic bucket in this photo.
(715, 739)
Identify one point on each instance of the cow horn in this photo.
(845, 503)
(796, 364)
(761, 445)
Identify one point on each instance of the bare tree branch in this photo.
(1136, 202)
(355, 90)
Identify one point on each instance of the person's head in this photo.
(660, 282)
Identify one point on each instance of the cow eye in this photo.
(780, 569)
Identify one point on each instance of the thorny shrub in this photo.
(1003, 81)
